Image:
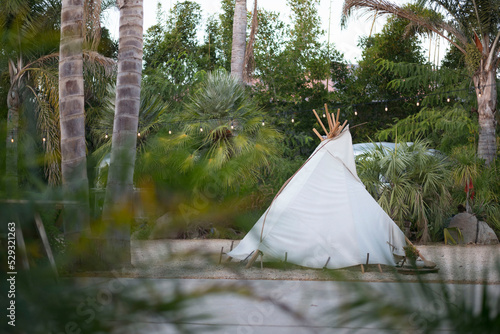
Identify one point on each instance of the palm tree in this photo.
(473, 27)
(120, 187)
(72, 118)
(239, 39)
(219, 135)
(410, 183)
(27, 29)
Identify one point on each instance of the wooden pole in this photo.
(326, 264)
(220, 256)
(427, 263)
(252, 259)
(232, 243)
(362, 269)
(319, 121)
(317, 134)
(379, 267)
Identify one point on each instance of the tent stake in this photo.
(232, 243)
(286, 256)
(362, 269)
(261, 264)
(367, 260)
(380, 268)
(220, 256)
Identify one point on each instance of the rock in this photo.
(486, 235)
(163, 228)
(467, 224)
(470, 227)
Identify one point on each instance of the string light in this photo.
(169, 132)
(11, 139)
(106, 136)
(477, 89)
(43, 139)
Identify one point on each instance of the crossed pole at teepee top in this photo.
(333, 124)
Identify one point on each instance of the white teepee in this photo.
(324, 215)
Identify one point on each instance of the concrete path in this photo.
(279, 307)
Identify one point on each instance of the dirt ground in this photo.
(199, 259)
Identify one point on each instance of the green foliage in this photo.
(291, 71)
(452, 131)
(394, 44)
(467, 167)
(232, 156)
(410, 183)
(443, 128)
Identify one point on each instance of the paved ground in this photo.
(200, 259)
(226, 298)
(279, 307)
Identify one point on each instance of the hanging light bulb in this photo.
(43, 139)
(232, 124)
(324, 115)
(448, 99)
(201, 128)
(11, 140)
(386, 107)
(293, 119)
(263, 123)
(418, 103)
(169, 132)
(355, 111)
(138, 134)
(479, 88)
(106, 136)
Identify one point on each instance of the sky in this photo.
(345, 39)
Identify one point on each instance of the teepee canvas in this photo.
(323, 216)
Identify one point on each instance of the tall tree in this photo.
(473, 27)
(27, 30)
(226, 31)
(239, 39)
(120, 186)
(72, 118)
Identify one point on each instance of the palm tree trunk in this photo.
(486, 91)
(120, 186)
(72, 120)
(239, 39)
(12, 136)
